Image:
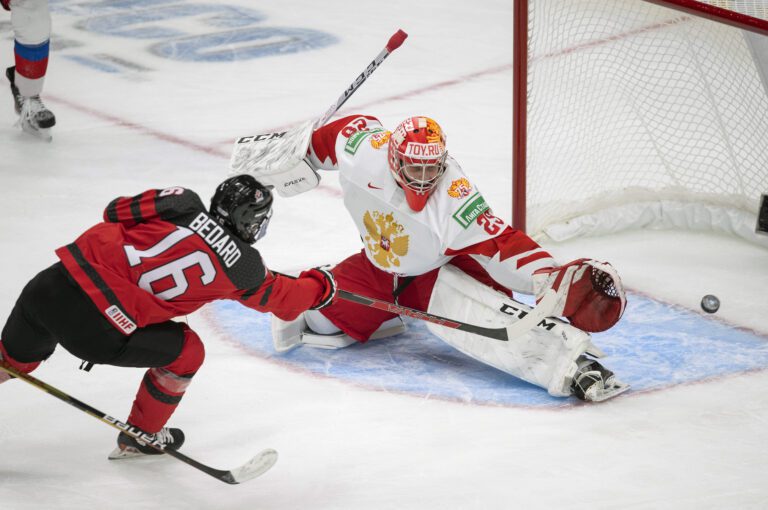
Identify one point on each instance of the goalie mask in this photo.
(417, 158)
(243, 205)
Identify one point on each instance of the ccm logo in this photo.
(517, 312)
(259, 138)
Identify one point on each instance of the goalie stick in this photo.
(256, 466)
(527, 320)
(278, 159)
(394, 42)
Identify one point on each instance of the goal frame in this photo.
(520, 82)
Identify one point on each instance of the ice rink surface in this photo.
(151, 93)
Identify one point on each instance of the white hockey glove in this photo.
(277, 159)
(593, 298)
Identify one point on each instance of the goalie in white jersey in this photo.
(432, 243)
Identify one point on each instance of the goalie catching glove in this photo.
(592, 296)
(277, 159)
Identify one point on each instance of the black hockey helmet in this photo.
(244, 205)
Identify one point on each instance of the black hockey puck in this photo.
(710, 303)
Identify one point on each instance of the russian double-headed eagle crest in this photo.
(385, 240)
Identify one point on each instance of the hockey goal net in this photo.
(630, 113)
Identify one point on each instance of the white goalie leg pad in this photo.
(277, 159)
(286, 335)
(314, 329)
(544, 356)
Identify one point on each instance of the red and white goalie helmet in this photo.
(417, 158)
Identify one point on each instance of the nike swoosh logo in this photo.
(373, 187)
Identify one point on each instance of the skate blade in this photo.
(43, 134)
(608, 393)
(125, 453)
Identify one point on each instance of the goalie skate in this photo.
(593, 382)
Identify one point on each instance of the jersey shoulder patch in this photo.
(377, 137)
(462, 199)
(470, 209)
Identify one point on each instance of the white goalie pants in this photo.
(544, 356)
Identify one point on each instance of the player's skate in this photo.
(594, 383)
(34, 117)
(128, 446)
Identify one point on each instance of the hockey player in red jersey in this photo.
(431, 242)
(112, 296)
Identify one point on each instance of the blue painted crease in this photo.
(654, 346)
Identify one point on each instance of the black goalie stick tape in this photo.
(255, 467)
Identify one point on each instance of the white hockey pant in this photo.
(544, 356)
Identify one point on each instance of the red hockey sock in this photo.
(162, 388)
(18, 365)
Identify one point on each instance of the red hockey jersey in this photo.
(160, 255)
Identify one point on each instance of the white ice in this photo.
(162, 122)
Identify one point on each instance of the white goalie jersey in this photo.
(454, 229)
(456, 220)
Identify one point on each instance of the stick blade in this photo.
(255, 467)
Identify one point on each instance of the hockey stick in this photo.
(394, 42)
(257, 466)
(527, 320)
(275, 159)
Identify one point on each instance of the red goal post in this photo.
(631, 113)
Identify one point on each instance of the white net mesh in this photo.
(632, 102)
(754, 8)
